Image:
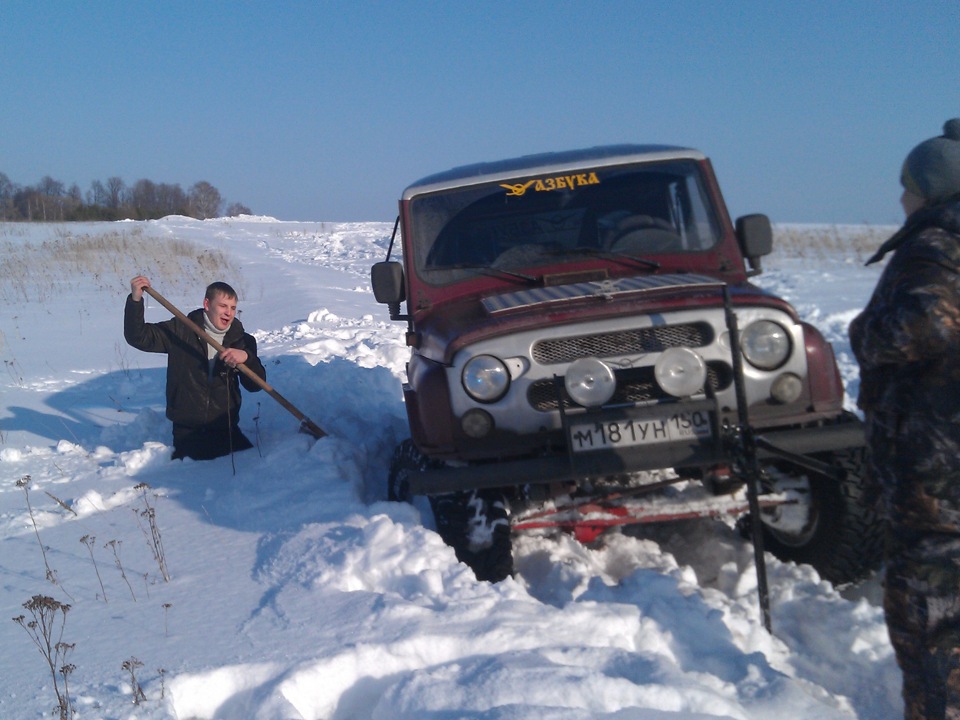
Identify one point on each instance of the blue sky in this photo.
(327, 110)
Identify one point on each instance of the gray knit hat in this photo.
(932, 169)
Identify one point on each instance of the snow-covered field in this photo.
(295, 589)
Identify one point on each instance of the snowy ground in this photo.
(295, 590)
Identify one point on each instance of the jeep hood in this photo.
(602, 289)
(447, 329)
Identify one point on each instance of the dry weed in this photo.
(131, 666)
(46, 631)
(154, 540)
(818, 242)
(33, 270)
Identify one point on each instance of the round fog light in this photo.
(476, 423)
(680, 372)
(786, 388)
(589, 382)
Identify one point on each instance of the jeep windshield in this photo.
(609, 213)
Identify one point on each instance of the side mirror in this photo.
(387, 281)
(755, 235)
(388, 286)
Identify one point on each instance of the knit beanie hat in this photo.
(932, 169)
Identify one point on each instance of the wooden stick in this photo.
(306, 424)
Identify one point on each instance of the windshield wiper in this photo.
(498, 272)
(610, 255)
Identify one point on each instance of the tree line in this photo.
(52, 201)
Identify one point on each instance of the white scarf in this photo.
(215, 334)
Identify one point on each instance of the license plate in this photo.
(606, 434)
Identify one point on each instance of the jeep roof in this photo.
(546, 163)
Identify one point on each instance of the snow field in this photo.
(297, 591)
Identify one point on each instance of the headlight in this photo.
(765, 344)
(589, 382)
(680, 372)
(485, 378)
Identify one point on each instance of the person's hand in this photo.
(136, 287)
(234, 356)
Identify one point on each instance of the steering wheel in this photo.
(644, 234)
(521, 255)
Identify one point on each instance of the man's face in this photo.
(221, 310)
(911, 203)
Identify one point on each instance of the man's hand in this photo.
(136, 287)
(234, 356)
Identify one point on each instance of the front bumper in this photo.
(572, 467)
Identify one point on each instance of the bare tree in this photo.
(50, 187)
(143, 198)
(171, 200)
(7, 191)
(50, 196)
(235, 209)
(205, 200)
(51, 200)
(115, 192)
(26, 201)
(97, 194)
(72, 202)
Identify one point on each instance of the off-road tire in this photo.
(459, 515)
(844, 537)
(462, 517)
(406, 461)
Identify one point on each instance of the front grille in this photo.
(634, 385)
(622, 342)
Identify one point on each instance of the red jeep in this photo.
(578, 320)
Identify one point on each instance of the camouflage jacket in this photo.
(907, 339)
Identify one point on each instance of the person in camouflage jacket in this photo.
(907, 342)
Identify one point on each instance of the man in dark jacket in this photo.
(203, 386)
(907, 341)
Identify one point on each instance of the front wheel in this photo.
(836, 526)
(476, 525)
(406, 461)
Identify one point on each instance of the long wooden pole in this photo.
(306, 424)
(747, 450)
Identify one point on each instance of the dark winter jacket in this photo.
(195, 398)
(907, 339)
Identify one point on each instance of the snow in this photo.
(296, 590)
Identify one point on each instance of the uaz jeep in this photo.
(581, 320)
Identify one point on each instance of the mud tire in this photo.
(844, 536)
(406, 461)
(476, 525)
